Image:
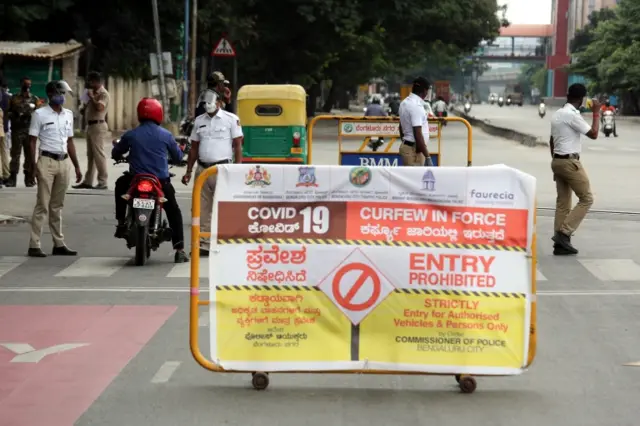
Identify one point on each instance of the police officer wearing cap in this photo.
(216, 139)
(53, 125)
(414, 126)
(218, 85)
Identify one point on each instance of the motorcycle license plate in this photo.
(141, 203)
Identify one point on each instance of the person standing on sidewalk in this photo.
(97, 133)
(4, 154)
(216, 139)
(53, 125)
(20, 108)
(567, 128)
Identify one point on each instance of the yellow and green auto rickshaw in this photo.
(273, 119)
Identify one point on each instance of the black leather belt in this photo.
(54, 155)
(92, 122)
(207, 165)
(409, 143)
(574, 156)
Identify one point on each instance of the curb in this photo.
(514, 135)
(11, 220)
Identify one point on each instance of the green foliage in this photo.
(533, 75)
(296, 41)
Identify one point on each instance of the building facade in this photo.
(567, 17)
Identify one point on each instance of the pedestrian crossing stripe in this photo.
(343, 242)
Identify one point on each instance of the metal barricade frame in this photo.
(386, 151)
(260, 380)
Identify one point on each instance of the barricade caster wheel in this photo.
(458, 377)
(468, 384)
(259, 381)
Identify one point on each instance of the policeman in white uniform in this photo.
(414, 126)
(53, 125)
(216, 139)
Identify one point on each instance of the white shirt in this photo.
(216, 135)
(52, 128)
(567, 127)
(440, 106)
(412, 114)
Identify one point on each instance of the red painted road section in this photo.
(58, 389)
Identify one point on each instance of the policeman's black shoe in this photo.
(560, 251)
(36, 252)
(564, 241)
(63, 251)
(29, 183)
(82, 186)
(102, 187)
(121, 231)
(180, 257)
(11, 182)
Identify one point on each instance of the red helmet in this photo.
(150, 109)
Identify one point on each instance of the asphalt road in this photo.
(137, 367)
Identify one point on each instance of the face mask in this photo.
(210, 107)
(57, 100)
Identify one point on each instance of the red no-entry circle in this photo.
(366, 274)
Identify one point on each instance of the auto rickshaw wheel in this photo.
(260, 380)
(458, 377)
(468, 384)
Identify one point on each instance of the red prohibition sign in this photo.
(366, 274)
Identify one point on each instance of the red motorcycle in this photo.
(146, 229)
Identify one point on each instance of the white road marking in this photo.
(632, 364)
(183, 270)
(540, 276)
(28, 354)
(597, 148)
(94, 267)
(8, 263)
(612, 269)
(166, 370)
(579, 292)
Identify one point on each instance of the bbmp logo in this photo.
(347, 128)
(428, 181)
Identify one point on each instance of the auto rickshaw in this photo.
(273, 119)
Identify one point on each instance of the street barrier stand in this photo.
(358, 127)
(260, 379)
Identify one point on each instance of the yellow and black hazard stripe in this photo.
(461, 293)
(266, 287)
(341, 242)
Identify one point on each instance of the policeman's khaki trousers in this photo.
(410, 157)
(97, 136)
(53, 181)
(570, 176)
(4, 158)
(206, 205)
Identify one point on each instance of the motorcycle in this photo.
(375, 142)
(183, 139)
(607, 120)
(146, 228)
(542, 109)
(500, 101)
(440, 115)
(467, 107)
(508, 100)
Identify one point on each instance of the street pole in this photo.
(185, 61)
(192, 58)
(163, 88)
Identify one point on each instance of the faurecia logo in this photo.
(498, 196)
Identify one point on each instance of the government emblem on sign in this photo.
(360, 176)
(307, 177)
(347, 128)
(356, 287)
(258, 177)
(428, 181)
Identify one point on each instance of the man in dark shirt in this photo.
(147, 146)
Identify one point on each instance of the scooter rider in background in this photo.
(147, 146)
(542, 109)
(394, 105)
(440, 109)
(375, 110)
(607, 107)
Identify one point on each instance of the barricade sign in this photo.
(370, 269)
(385, 153)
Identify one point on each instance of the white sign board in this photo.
(166, 62)
(223, 48)
(363, 128)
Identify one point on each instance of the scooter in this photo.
(186, 127)
(467, 107)
(542, 109)
(508, 100)
(500, 101)
(375, 142)
(608, 121)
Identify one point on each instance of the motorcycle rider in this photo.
(440, 108)
(375, 109)
(394, 105)
(216, 83)
(608, 107)
(147, 146)
(542, 108)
